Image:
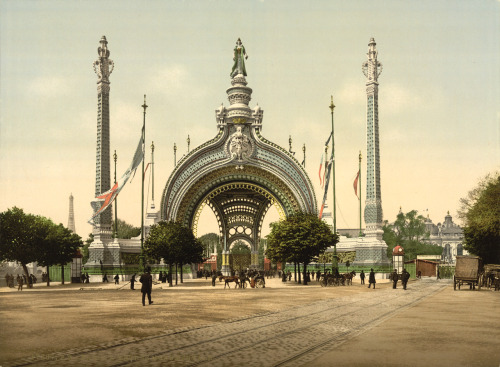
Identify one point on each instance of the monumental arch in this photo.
(238, 174)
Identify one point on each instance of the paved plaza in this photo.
(284, 324)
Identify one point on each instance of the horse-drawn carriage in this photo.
(328, 279)
(468, 270)
(491, 278)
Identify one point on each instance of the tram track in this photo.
(185, 347)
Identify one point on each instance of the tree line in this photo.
(28, 238)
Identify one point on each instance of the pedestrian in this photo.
(82, 277)
(289, 276)
(105, 278)
(147, 284)
(362, 276)
(404, 278)
(214, 276)
(394, 279)
(87, 278)
(117, 279)
(20, 283)
(132, 282)
(371, 279)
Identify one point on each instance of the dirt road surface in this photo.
(282, 324)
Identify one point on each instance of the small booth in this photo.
(76, 267)
(398, 259)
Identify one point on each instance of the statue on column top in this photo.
(239, 61)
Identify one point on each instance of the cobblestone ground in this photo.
(289, 337)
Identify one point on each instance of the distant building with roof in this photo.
(449, 236)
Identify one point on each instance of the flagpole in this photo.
(141, 256)
(115, 232)
(153, 172)
(334, 262)
(360, 232)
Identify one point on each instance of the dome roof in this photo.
(398, 250)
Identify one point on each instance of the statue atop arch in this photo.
(239, 59)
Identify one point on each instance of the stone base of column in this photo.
(254, 264)
(371, 252)
(226, 268)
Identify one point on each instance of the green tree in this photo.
(410, 226)
(60, 246)
(208, 241)
(85, 248)
(299, 239)
(22, 236)
(126, 230)
(389, 236)
(241, 255)
(480, 211)
(173, 243)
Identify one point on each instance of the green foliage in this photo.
(300, 238)
(126, 230)
(408, 231)
(21, 235)
(414, 248)
(241, 256)
(344, 257)
(208, 241)
(480, 211)
(174, 243)
(27, 238)
(60, 246)
(85, 248)
(389, 236)
(410, 226)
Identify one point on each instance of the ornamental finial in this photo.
(103, 66)
(372, 68)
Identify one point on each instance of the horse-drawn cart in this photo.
(468, 270)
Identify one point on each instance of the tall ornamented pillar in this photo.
(371, 249)
(101, 251)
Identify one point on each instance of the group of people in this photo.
(85, 278)
(21, 280)
(404, 276)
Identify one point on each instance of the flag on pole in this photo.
(109, 196)
(328, 170)
(319, 173)
(356, 185)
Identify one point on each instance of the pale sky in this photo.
(439, 93)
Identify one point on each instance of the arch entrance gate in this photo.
(239, 174)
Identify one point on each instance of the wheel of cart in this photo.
(331, 281)
(259, 283)
(322, 281)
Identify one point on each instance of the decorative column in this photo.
(371, 249)
(99, 252)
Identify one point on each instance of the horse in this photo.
(228, 279)
(347, 277)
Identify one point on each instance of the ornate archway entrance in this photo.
(239, 174)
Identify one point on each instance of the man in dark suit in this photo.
(147, 284)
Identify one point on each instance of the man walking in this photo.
(404, 278)
(394, 279)
(147, 284)
(132, 282)
(371, 279)
(362, 276)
